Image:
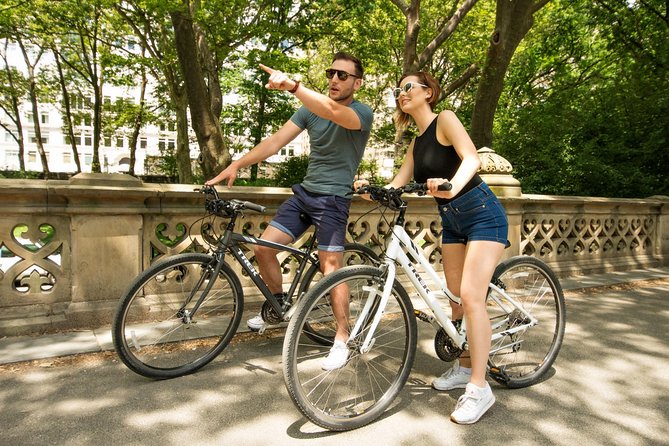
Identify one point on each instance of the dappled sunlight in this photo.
(607, 387)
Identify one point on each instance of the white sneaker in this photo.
(337, 357)
(257, 323)
(473, 404)
(453, 378)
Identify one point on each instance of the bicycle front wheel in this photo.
(360, 391)
(527, 310)
(176, 317)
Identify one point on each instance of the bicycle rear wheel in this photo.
(354, 254)
(360, 391)
(522, 358)
(157, 332)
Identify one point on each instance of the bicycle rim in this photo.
(360, 391)
(156, 332)
(522, 358)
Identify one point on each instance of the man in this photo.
(338, 127)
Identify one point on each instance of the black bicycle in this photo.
(182, 311)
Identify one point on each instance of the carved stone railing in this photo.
(70, 248)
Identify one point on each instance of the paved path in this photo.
(609, 387)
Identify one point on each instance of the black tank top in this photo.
(435, 160)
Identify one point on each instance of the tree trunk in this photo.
(16, 118)
(514, 18)
(184, 168)
(68, 112)
(214, 156)
(137, 125)
(32, 92)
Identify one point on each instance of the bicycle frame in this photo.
(402, 251)
(233, 243)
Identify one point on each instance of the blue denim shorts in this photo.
(329, 213)
(476, 215)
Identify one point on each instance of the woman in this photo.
(474, 232)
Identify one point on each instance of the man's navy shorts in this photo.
(329, 213)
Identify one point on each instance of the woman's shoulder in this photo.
(447, 116)
(447, 123)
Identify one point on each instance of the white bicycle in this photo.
(525, 304)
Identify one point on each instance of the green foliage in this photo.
(291, 171)
(585, 113)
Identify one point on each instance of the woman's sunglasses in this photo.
(406, 88)
(341, 74)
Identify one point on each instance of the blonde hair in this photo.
(402, 120)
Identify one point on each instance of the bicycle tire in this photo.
(354, 254)
(360, 391)
(522, 359)
(154, 339)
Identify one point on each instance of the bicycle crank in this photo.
(446, 350)
(269, 315)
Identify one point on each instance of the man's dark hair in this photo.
(359, 71)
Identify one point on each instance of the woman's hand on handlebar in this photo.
(433, 188)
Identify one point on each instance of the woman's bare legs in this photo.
(468, 270)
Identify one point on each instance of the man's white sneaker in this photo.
(337, 357)
(473, 404)
(453, 378)
(257, 323)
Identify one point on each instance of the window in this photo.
(119, 141)
(32, 156)
(87, 140)
(67, 158)
(45, 118)
(32, 138)
(108, 140)
(142, 142)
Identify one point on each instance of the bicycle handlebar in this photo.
(391, 197)
(227, 208)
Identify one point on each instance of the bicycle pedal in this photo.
(262, 329)
(423, 316)
(498, 375)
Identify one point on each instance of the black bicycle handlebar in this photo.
(391, 197)
(226, 208)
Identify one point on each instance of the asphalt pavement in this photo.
(609, 386)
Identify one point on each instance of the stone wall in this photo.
(71, 248)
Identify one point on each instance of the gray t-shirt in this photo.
(335, 151)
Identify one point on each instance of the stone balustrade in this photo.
(70, 248)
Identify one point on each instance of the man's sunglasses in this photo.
(406, 88)
(341, 74)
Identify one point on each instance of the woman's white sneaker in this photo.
(453, 378)
(473, 404)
